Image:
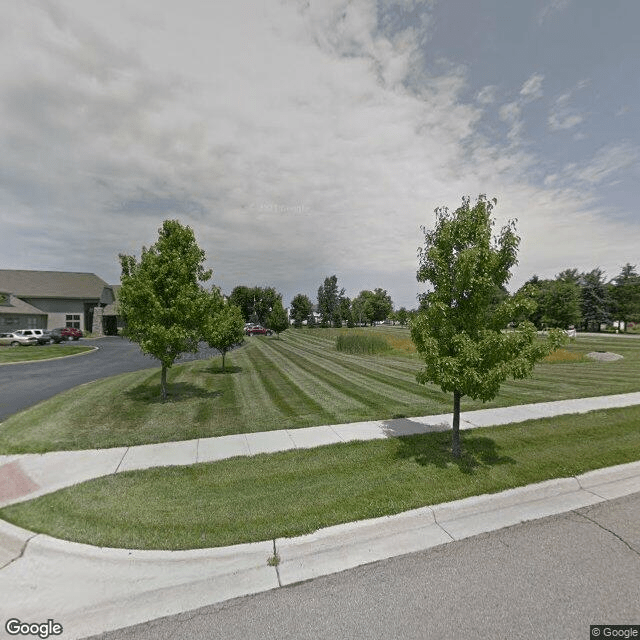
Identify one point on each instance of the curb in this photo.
(94, 589)
(71, 355)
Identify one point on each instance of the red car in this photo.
(257, 330)
(65, 333)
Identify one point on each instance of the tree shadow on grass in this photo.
(177, 392)
(435, 449)
(216, 369)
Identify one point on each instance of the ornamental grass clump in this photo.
(363, 344)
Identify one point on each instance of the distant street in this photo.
(549, 578)
(23, 385)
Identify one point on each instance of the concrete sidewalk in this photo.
(27, 476)
(89, 589)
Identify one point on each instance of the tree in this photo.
(402, 316)
(243, 298)
(277, 320)
(255, 302)
(223, 326)
(345, 311)
(596, 304)
(560, 304)
(362, 307)
(625, 293)
(301, 308)
(381, 305)
(161, 298)
(464, 348)
(329, 301)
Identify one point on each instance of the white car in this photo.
(15, 339)
(40, 335)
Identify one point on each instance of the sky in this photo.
(305, 138)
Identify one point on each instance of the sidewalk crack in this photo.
(122, 459)
(613, 533)
(274, 561)
(21, 554)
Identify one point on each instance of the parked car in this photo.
(257, 330)
(42, 336)
(16, 340)
(65, 333)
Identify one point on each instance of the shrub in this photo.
(361, 343)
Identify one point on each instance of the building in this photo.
(50, 299)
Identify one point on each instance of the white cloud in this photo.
(298, 140)
(532, 88)
(487, 95)
(511, 113)
(562, 115)
(608, 161)
(550, 8)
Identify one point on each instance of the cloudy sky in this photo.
(305, 138)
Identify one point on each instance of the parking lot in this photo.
(23, 385)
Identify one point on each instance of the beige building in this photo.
(50, 299)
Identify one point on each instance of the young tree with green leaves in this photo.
(464, 348)
(223, 325)
(329, 301)
(161, 298)
(277, 320)
(301, 308)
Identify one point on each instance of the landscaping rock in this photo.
(604, 356)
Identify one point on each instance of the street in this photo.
(549, 578)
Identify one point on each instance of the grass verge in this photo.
(296, 492)
(39, 352)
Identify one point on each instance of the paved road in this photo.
(549, 578)
(23, 385)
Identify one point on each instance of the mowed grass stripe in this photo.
(560, 381)
(316, 390)
(337, 381)
(549, 381)
(356, 398)
(363, 385)
(252, 398)
(366, 368)
(406, 366)
(285, 393)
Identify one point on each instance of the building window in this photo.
(73, 320)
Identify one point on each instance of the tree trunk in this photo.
(455, 437)
(224, 353)
(163, 382)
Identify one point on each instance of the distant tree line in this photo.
(335, 309)
(584, 300)
(261, 305)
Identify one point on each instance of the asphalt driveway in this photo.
(23, 385)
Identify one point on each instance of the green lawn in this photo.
(39, 352)
(296, 381)
(296, 492)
